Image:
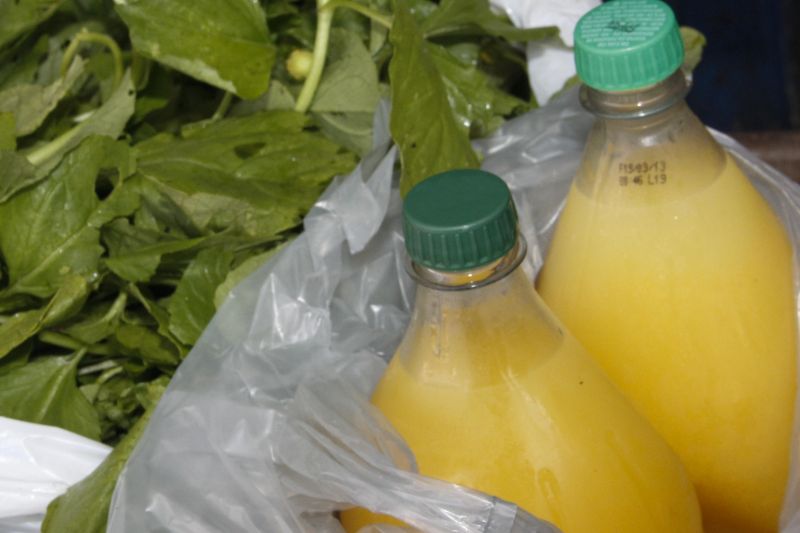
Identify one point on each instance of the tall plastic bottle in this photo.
(674, 273)
(489, 391)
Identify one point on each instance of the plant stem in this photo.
(324, 19)
(86, 36)
(383, 19)
(40, 155)
(65, 341)
(325, 9)
(98, 367)
(224, 104)
(116, 307)
(108, 374)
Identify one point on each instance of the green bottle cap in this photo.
(459, 219)
(627, 44)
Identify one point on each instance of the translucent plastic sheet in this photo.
(266, 425)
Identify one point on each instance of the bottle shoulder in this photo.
(663, 156)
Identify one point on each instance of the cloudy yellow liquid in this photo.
(682, 289)
(494, 396)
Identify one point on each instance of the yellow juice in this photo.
(681, 287)
(492, 394)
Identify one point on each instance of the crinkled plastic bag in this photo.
(38, 463)
(266, 425)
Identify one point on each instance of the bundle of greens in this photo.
(155, 152)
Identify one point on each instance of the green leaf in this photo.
(98, 322)
(160, 315)
(146, 344)
(31, 103)
(8, 136)
(44, 391)
(19, 16)
(476, 17)
(157, 94)
(351, 130)
(419, 96)
(135, 253)
(479, 106)
(16, 358)
(222, 42)
(17, 173)
(20, 66)
(22, 326)
(115, 402)
(278, 97)
(693, 43)
(254, 176)
(63, 216)
(84, 507)
(192, 305)
(109, 120)
(350, 80)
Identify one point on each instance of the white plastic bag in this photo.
(266, 427)
(38, 463)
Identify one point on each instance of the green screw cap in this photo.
(627, 44)
(459, 220)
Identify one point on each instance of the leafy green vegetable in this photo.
(222, 42)
(19, 16)
(192, 305)
(475, 16)
(350, 79)
(157, 152)
(31, 103)
(66, 302)
(44, 391)
(108, 120)
(136, 252)
(84, 507)
(8, 136)
(419, 97)
(478, 105)
(17, 173)
(63, 216)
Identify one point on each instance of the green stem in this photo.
(324, 20)
(40, 155)
(140, 68)
(383, 19)
(116, 307)
(325, 10)
(65, 341)
(108, 374)
(224, 104)
(79, 355)
(85, 36)
(98, 367)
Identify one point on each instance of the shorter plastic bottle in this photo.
(490, 392)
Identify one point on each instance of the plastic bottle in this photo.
(674, 273)
(490, 392)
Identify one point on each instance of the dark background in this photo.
(749, 76)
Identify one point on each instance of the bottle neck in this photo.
(473, 328)
(646, 146)
(473, 278)
(637, 103)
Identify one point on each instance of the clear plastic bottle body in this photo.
(676, 275)
(490, 392)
